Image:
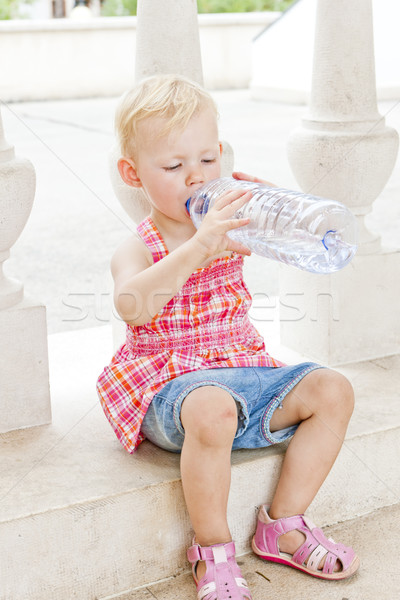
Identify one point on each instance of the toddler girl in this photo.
(193, 375)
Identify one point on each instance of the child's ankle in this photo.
(200, 570)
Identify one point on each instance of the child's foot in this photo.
(199, 570)
(302, 546)
(216, 573)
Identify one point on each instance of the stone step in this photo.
(269, 580)
(80, 518)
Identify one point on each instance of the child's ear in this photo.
(128, 172)
(221, 148)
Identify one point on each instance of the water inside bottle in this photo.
(303, 252)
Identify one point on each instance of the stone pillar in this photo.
(344, 151)
(24, 377)
(167, 41)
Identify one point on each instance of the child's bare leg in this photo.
(323, 402)
(209, 417)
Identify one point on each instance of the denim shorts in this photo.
(258, 392)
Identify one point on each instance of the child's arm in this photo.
(142, 289)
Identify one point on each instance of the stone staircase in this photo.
(269, 581)
(81, 519)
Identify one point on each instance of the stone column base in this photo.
(348, 316)
(24, 370)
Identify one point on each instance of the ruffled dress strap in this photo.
(152, 238)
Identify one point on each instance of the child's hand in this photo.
(211, 234)
(244, 177)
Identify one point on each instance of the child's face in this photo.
(172, 167)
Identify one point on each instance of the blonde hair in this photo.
(172, 97)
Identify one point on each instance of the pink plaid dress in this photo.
(205, 326)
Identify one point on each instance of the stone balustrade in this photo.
(343, 150)
(24, 378)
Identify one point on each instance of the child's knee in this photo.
(337, 393)
(209, 413)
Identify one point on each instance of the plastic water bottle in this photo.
(308, 232)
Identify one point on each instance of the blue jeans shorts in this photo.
(258, 392)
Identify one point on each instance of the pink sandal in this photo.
(308, 556)
(223, 579)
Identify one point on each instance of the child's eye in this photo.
(209, 160)
(172, 167)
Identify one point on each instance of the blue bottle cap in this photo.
(188, 204)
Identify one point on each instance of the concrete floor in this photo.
(377, 578)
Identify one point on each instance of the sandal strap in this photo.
(331, 550)
(223, 578)
(314, 559)
(214, 553)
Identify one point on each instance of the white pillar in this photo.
(24, 378)
(16, 199)
(343, 150)
(167, 41)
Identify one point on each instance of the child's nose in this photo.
(195, 175)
